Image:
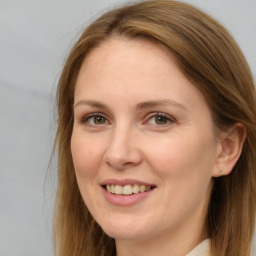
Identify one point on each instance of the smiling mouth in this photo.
(127, 189)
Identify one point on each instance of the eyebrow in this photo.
(91, 103)
(140, 106)
(155, 103)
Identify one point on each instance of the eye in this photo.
(99, 120)
(160, 119)
(94, 119)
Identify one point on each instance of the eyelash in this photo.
(92, 115)
(169, 119)
(149, 116)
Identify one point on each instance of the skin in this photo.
(179, 155)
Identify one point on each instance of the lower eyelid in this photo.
(168, 117)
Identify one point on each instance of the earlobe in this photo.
(231, 145)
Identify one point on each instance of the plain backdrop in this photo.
(34, 40)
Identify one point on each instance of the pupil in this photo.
(161, 120)
(99, 120)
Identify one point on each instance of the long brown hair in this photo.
(208, 55)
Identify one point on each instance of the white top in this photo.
(203, 249)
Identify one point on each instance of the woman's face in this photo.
(140, 125)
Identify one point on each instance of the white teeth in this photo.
(127, 189)
(118, 190)
(136, 189)
(142, 188)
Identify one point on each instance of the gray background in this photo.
(35, 38)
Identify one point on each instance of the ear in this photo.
(230, 148)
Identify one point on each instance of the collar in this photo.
(203, 249)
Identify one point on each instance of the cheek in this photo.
(183, 166)
(86, 156)
(182, 158)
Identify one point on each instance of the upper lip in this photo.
(124, 182)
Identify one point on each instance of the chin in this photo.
(127, 235)
(124, 231)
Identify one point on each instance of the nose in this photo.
(123, 150)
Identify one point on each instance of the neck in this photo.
(168, 244)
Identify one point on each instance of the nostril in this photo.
(121, 157)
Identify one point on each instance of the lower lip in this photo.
(126, 200)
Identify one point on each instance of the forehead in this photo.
(125, 51)
(122, 61)
(134, 70)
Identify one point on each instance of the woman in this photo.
(156, 137)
